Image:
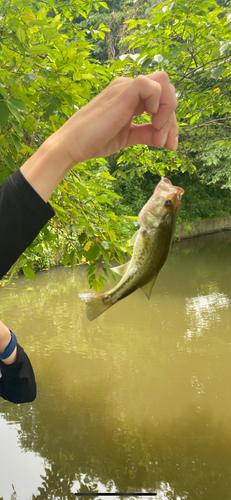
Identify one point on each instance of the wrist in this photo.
(6, 340)
(5, 337)
(47, 167)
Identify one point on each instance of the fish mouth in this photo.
(165, 188)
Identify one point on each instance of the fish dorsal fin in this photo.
(121, 270)
(147, 289)
(133, 238)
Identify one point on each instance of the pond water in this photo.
(137, 400)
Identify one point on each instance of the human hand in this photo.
(105, 125)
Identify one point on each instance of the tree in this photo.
(191, 41)
(46, 74)
(48, 71)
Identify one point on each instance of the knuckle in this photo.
(118, 80)
(140, 78)
(162, 77)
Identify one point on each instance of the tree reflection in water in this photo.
(118, 403)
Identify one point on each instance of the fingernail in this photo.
(159, 126)
(174, 143)
(156, 107)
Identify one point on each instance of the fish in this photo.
(152, 243)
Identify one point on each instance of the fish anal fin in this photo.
(121, 270)
(147, 289)
(96, 304)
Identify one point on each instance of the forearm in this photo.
(23, 213)
(47, 167)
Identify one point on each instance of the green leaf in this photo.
(51, 34)
(30, 123)
(42, 13)
(216, 72)
(146, 63)
(105, 244)
(40, 48)
(72, 259)
(83, 189)
(3, 91)
(16, 127)
(51, 108)
(92, 253)
(17, 143)
(97, 285)
(29, 272)
(17, 103)
(9, 162)
(14, 111)
(103, 4)
(30, 77)
(4, 114)
(82, 238)
(21, 34)
(103, 199)
(65, 260)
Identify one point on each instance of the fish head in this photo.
(163, 206)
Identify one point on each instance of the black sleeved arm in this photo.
(23, 213)
(17, 383)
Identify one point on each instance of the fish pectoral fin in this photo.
(121, 269)
(133, 238)
(147, 289)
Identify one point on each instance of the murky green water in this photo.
(138, 400)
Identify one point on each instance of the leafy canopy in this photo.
(48, 72)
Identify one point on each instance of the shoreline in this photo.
(203, 227)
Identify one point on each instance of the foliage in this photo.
(191, 41)
(48, 70)
(46, 75)
(200, 200)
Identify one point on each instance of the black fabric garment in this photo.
(17, 383)
(22, 215)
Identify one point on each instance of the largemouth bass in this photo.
(153, 240)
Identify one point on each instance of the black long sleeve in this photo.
(17, 382)
(23, 213)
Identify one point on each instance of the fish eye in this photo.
(168, 203)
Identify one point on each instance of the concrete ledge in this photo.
(205, 226)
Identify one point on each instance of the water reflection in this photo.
(138, 400)
(20, 469)
(203, 311)
(166, 492)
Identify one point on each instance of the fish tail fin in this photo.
(95, 304)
